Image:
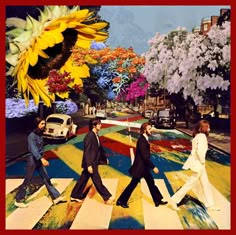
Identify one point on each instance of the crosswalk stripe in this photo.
(220, 202)
(94, 214)
(224, 210)
(156, 217)
(26, 218)
(120, 123)
(11, 184)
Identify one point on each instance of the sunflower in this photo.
(35, 47)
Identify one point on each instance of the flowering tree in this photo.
(136, 89)
(113, 68)
(192, 65)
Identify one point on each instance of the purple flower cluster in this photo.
(17, 107)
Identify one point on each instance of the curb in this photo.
(210, 144)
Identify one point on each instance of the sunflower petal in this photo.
(86, 30)
(42, 53)
(22, 82)
(63, 95)
(40, 86)
(42, 44)
(81, 15)
(24, 37)
(13, 48)
(57, 36)
(12, 59)
(33, 56)
(95, 37)
(16, 22)
(98, 26)
(35, 95)
(26, 98)
(15, 32)
(83, 43)
(33, 24)
(47, 40)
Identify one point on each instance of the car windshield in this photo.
(55, 120)
(164, 113)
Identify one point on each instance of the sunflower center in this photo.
(58, 55)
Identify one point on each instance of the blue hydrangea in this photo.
(97, 45)
(111, 95)
(16, 108)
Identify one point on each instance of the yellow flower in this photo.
(37, 46)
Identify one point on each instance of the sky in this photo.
(135, 25)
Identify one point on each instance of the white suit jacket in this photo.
(196, 160)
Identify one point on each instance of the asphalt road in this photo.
(17, 131)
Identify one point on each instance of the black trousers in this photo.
(155, 193)
(31, 166)
(78, 189)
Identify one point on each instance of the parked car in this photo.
(148, 113)
(164, 117)
(59, 127)
(101, 113)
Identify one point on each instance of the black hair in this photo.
(93, 122)
(37, 120)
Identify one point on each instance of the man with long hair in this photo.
(196, 163)
(36, 162)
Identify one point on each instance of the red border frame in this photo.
(107, 2)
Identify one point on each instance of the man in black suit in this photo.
(141, 169)
(93, 156)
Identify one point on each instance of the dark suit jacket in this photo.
(142, 163)
(93, 153)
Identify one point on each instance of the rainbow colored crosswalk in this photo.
(169, 150)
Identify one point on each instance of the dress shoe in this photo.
(160, 203)
(75, 199)
(110, 201)
(59, 199)
(20, 204)
(124, 205)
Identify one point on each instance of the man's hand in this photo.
(44, 162)
(90, 169)
(155, 170)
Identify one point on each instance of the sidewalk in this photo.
(218, 139)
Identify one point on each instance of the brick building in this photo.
(208, 22)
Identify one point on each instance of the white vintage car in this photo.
(59, 126)
(101, 113)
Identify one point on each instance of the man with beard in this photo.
(36, 161)
(141, 169)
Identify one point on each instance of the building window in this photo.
(205, 27)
